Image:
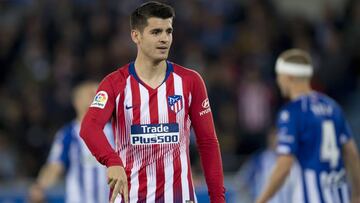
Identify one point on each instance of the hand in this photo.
(36, 194)
(117, 180)
(260, 200)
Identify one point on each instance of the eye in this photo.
(156, 31)
(169, 31)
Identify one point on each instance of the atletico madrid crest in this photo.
(175, 103)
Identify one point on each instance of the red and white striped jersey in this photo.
(152, 130)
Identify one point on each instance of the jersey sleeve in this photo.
(59, 152)
(207, 142)
(287, 142)
(98, 114)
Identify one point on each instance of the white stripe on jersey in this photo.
(162, 111)
(326, 190)
(117, 129)
(345, 193)
(144, 119)
(128, 114)
(144, 109)
(298, 190)
(134, 182)
(335, 193)
(311, 186)
(184, 174)
(88, 184)
(72, 189)
(169, 178)
(151, 183)
(162, 104)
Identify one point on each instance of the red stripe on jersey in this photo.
(154, 113)
(136, 107)
(122, 138)
(160, 181)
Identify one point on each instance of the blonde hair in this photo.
(297, 56)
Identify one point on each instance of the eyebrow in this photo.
(156, 29)
(161, 29)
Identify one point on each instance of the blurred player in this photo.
(153, 104)
(255, 172)
(85, 177)
(312, 129)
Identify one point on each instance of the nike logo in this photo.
(128, 107)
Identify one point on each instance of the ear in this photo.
(135, 36)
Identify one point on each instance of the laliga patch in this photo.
(148, 134)
(175, 103)
(100, 100)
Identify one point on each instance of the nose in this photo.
(165, 37)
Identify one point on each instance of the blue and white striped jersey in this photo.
(255, 173)
(313, 129)
(85, 177)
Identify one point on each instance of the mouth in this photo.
(162, 48)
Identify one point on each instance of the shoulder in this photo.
(116, 80)
(330, 101)
(120, 74)
(65, 133)
(185, 72)
(291, 107)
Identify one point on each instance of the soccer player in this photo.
(153, 104)
(85, 177)
(253, 175)
(313, 130)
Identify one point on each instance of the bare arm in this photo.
(352, 164)
(48, 176)
(278, 176)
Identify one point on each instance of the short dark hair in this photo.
(139, 17)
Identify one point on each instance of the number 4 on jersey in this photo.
(329, 149)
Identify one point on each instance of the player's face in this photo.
(283, 83)
(156, 38)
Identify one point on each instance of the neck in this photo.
(299, 90)
(149, 71)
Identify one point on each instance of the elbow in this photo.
(85, 127)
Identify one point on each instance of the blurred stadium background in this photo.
(47, 46)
